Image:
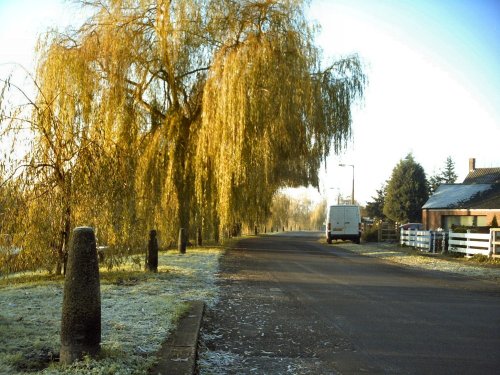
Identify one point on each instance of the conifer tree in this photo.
(446, 176)
(375, 209)
(407, 191)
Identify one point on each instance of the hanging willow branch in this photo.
(269, 113)
(169, 113)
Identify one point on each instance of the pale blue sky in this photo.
(433, 68)
(434, 71)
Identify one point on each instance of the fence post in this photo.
(446, 249)
(492, 244)
(468, 239)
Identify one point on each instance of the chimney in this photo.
(472, 164)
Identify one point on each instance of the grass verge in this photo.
(138, 310)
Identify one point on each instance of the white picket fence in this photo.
(468, 243)
(428, 240)
(495, 242)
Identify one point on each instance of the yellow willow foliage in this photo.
(63, 104)
(86, 138)
(151, 178)
(269, 116)
(155, 112)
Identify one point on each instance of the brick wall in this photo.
(433, 218)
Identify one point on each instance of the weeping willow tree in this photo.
(60, 150)
(270, 112)
(180, 113)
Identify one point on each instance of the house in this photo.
(475, 202)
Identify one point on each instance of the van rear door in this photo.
(351, 220)
(337, 216)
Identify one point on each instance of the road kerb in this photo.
(178, 353)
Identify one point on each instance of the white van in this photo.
(343, 223)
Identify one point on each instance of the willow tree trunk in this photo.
(62, 251)
(182, 173)
(64, 181)
(152, 257)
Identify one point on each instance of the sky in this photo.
(434, 80)
(434, 86)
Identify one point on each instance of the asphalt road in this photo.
(291, 304)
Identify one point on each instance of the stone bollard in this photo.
(181, 242)
(81, 309)
(152, 263)
(199, 238)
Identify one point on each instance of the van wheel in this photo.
(358, 240)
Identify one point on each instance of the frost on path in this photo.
(250, 331)
(393, 253)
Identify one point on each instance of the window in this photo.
(448, 221)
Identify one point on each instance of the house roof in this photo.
(468, 196)
(483, 176)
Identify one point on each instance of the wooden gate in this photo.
(387, 232)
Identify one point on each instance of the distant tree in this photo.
(375, 209)
(280, 210)
(407, 191)
(300, 212)
(295, 213)
(446, 175)
(434, 181)
(318, 215)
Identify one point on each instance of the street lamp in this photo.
(350, 165)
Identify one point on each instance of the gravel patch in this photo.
(422, 260)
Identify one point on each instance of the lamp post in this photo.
(350, 165)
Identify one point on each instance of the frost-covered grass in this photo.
(417, 259)
(138, 310)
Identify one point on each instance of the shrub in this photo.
(464, 229)
(494, 222)
(480, 258)
(370, 234)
